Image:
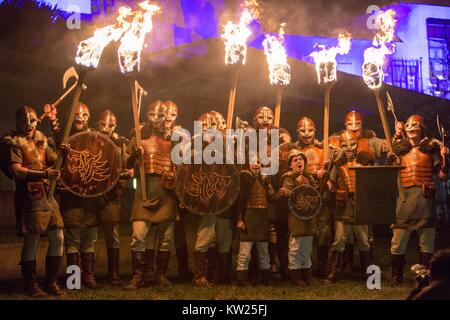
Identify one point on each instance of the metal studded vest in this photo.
(419, 168)
(257, 196)
(348, 176)
(33, 153)
(314, 155)
(157, 156)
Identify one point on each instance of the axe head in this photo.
(239, 123)
(70, 73)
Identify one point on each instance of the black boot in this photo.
(397, 264)
(113, 266)
(148, 277)
(52, 265)
(87, 267)
(242, 278)
(322, 258)
(425, 259)
(184, 273)
(162, 263)
(335, 266)
(212, 264)
(73, 259)
(294, 277)
(347, 266)
(364, 257)
(266, 277)
(29, 275)
(137, 264)
(305, 275)
(200, 277)
(223, 270)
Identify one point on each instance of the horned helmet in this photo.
(26, 121)
(82, 116)
(306, 129)
(415, 126)
(107, 122)
(171, 112)
(354, 122)
(297, 160)
(156, 115)
(349, 144)
(263, 118)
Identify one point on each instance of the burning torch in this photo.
(279, 69)
(129, 54)
(325, 60)
(87, 58)
(235, 38)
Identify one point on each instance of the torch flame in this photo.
(132, 42)
(374, 56)
(235, 36)
(90, 50)
(325, 59)
(279, 69)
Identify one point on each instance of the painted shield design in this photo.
(207, 189)
(305, 202)
(93, 164)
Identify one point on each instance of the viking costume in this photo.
(109, 205)
(344, 178)
(26, 158)
(213, 231)
(301, 232)
(417, 212)
(254, 217)
(313, 150)
(79, 214)
(263, 118)
(153, 219)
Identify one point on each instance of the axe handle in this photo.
(326, 119)
(68, 127)
(278, 107)
(59, 100)
(134, 105)
(232, 99)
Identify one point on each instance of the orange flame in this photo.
(90, 50)
(374, 56)
(325, 59)
(235, 36)
(279, 69)
(132, 42)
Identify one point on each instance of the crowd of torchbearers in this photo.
(259, 218)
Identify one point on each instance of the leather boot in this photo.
(52, 265)
(266, 277)
(305, 275)
(162, 263)
(397, 264)
(200, 278)
(87, 267)
(242, 278)
(322, 258)
(294, 277)
(425, 259)
(364, 257)
(273, 257)
(148, 277)
(73, 259)
(335, 266)
(184, 273)
(137, 265)
(29, 275)
(212, 264)
(113, 266)
(223, 270)
(347, 266)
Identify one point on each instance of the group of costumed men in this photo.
(267, 229)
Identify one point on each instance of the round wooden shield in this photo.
(207, 189)
(305, 202)
(92, 166)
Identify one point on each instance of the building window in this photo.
(101, 6)
(406, 74)
(438, 33)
